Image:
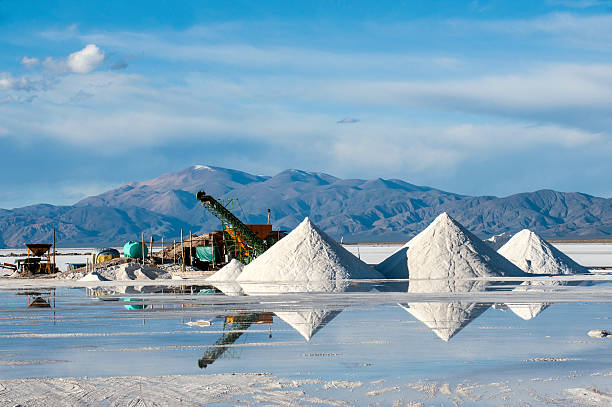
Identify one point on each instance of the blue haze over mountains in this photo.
(358, 210)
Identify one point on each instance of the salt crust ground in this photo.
(262, 389)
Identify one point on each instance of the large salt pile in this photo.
(225, 278)
(445, 258)
(446, 250)
(307, 260)
(535, 255)
(497, 241)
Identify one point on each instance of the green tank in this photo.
(134, 250)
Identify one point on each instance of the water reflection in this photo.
(234, 326)
(305, 314)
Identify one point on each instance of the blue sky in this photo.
(475, 97)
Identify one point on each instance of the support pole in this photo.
(162, 251)
(151, 249)
(190, 249)
(54, 266)
(182, 252)
(174, 252)
(212, 248)
(143, 248)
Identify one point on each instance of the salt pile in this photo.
(306, 260)
(535, 255)
(446, 250)
(497, 241)
(92, 277)
(225, 278)
(445, 258)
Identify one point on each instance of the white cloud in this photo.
(85, 60)
(30, 62)
(10, 83)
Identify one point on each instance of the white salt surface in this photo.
(307, 259)
(225, 278)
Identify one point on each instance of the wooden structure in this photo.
(38, 260)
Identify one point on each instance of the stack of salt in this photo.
(535, 255)
(306, 260)
(446, 258)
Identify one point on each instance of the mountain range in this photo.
(353, 209)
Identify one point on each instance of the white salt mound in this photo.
(534, 255)
(92, 277)
(447, 250)
(497, 241)
(307, 259)
(445, 258)
(225, 278)
(133, 271)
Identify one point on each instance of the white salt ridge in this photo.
(534, 255)
(497, 241)
(225, 278)
(306, 260)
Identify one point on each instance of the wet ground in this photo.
(374, 343)
(389, 341)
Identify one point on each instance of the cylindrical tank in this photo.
(104, 254)
(134, 250)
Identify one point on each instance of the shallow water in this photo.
(359, 336)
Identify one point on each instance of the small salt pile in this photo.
(307, 260)
(225, 278)
(535, 255)
(445, 258)
(92, 277)
(497, 241)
